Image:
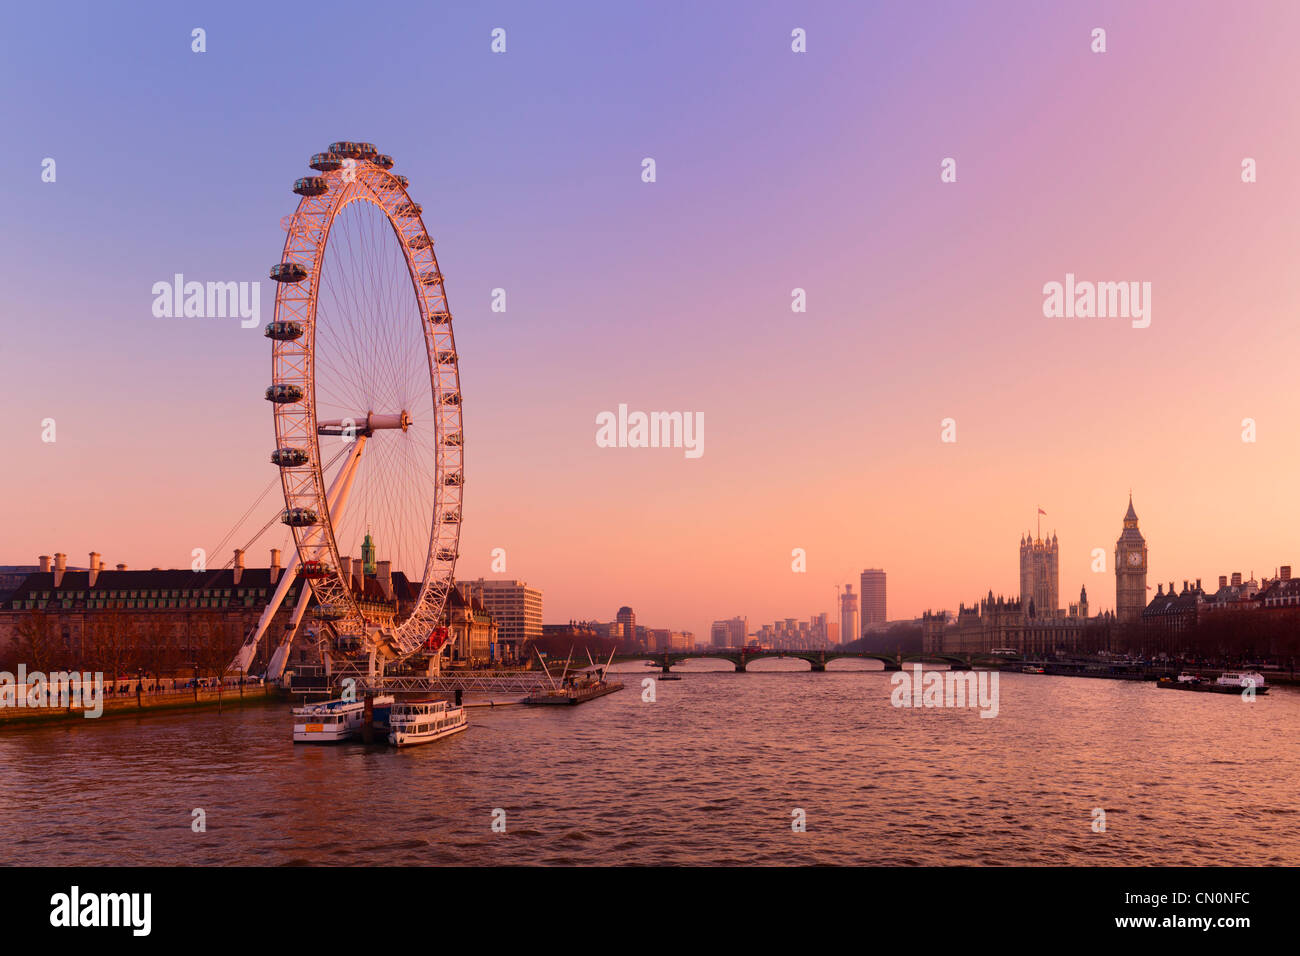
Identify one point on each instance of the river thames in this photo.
(709, 773)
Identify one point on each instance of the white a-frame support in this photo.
(335, 499)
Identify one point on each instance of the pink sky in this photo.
(775, 171)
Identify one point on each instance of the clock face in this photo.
(1134, 560)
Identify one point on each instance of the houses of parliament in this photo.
(1034, 622)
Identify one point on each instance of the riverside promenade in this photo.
(167, 701)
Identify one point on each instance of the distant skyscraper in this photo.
(819, 628)
(849, 629)
(730, 633)
(627, 618)
(1131, 570)
(1040, 575)
(873, 597)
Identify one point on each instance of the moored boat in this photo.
(423, 721)
(1229, 682)
(577, 689)
(334, 721)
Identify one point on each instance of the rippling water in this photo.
(708, 774)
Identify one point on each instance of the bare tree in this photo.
(216, 647)
(156, 652)
(38, 642)
(113, 643)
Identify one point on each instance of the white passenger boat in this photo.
(423, 721)
(334, 721)
(1232, 681)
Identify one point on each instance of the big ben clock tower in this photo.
(1130, 570)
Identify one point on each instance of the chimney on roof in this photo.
(1160, 590)
(384, 574)
(60, 566)
(275, 565)
(1198, 584)
(121, 567)
(45, 564)
(1184, 585)
(94, 568)
(1223, 580)
(1286, 572)
(358, 574)
(345, 569)
(1236, 579)
(239, 564)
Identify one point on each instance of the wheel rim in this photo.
(377, 348)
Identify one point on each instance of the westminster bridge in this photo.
(742, 657)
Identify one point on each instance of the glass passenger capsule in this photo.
(420, 242)
(282, 393)
(451, 398)
(283, 331)
(454, 479)
(299, 517)
(314, 569)
(310, 186)
(454, 439)
(289, 457)
(439, 318)
(383, 161)
(447, 358)
(288, 272)
(430, 277)
(451, 517)
(402, 179)
(327, 612)
(408, 209)
(347, 149)
(326, 162)
(446, 554)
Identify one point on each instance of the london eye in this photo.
(366, 400)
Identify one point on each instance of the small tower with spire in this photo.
(368, 567)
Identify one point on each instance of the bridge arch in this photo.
(758, 659)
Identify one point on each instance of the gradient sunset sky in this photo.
(775, 170)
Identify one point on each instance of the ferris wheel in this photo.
(366, 396)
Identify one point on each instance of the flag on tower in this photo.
(1041, 511)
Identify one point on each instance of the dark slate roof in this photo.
(1171, 603)
(170, 579)
(1280, 589)
(190, 583)
(1228, 594)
